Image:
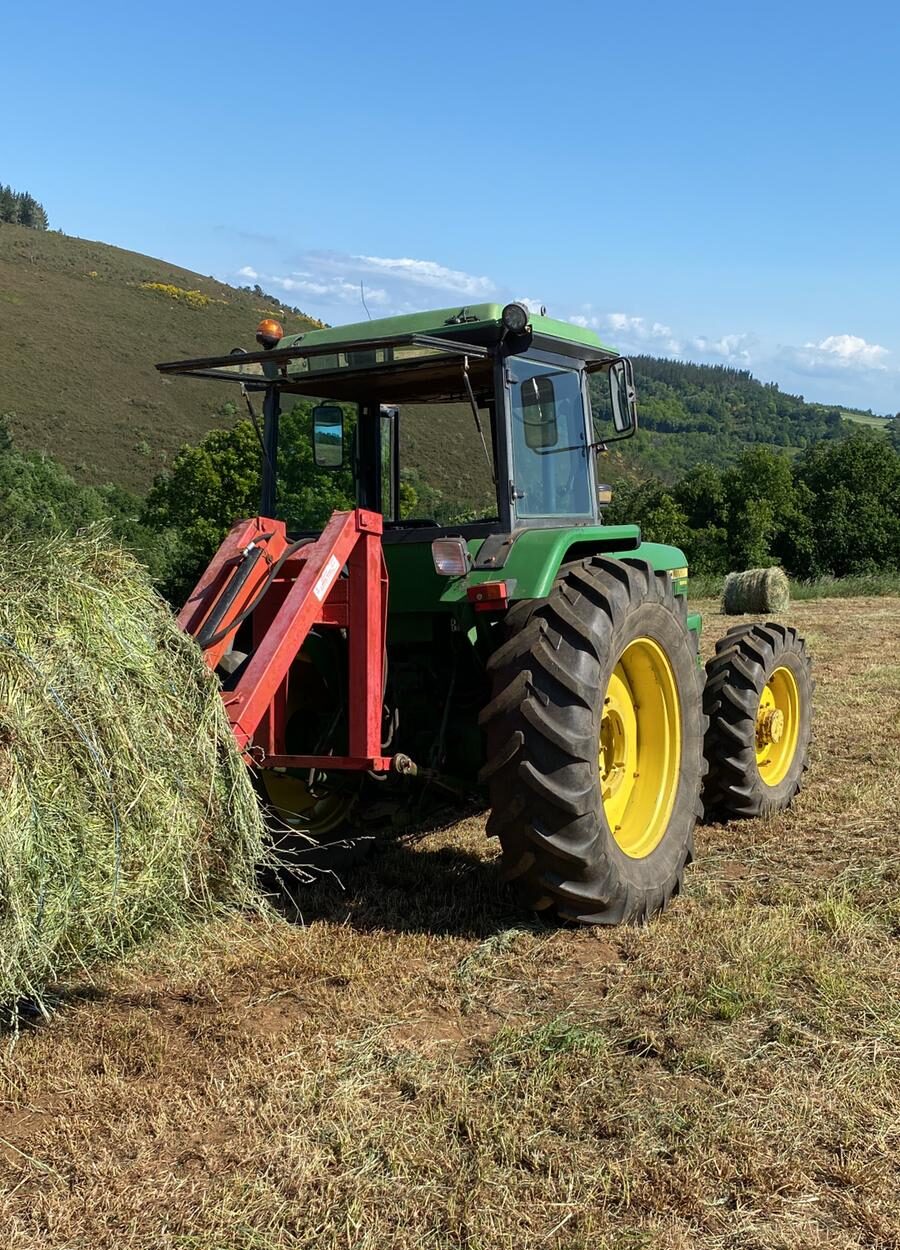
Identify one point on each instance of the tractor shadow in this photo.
(400, 887)
(396, 886)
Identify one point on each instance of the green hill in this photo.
(82, 325)
(693, 413)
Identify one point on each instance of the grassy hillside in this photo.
(80, 331)
(865, 418)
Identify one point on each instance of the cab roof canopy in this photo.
(417, 357)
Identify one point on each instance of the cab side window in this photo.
(551, 466)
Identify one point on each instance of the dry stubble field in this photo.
(422, 1067)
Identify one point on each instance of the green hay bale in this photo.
(126, 807)
(755, 591)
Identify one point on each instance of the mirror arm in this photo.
(614, 438)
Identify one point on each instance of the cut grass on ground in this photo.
(422, 1067)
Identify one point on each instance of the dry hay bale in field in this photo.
(756, 590)
(126, 806)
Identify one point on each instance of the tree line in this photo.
(20, 208)
(834, 510)
(692, 412)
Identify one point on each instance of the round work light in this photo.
(514, 318)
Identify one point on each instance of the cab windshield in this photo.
(549, 445)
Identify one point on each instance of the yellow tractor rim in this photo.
(777, 726)
(640, 747)
(307, 812)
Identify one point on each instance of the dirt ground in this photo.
(423, 1066)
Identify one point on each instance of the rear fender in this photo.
(535, 558)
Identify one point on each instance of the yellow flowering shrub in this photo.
(194, 299)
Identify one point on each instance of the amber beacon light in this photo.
(269, 332)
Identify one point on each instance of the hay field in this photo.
(420, 1068)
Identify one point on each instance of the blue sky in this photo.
(712, 181)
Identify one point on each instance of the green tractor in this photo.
(527, 654)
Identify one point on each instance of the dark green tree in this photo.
(762, 516)
(21, 208)
(9, 208)
(893, 432)
(854, 504)
(653, 507)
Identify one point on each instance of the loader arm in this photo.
(286, 589)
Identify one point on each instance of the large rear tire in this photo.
(758, 699)
(595, 743)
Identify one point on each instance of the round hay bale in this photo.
(756, 591)
(126, 806)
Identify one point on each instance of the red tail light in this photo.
(489, 596)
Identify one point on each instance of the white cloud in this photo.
(330, 289)
(428, 273)
(336, 289)
(851, 350)
(835, 353)
(635, 333)
(734, 347)
(533, 305)
(631, 332)
(624, 323)
(327, 284)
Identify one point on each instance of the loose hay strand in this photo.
(756, 590)
(126, 805)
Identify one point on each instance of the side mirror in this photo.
(328, 436)
(622, 396)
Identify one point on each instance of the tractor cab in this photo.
(519, 391)
(506, 395)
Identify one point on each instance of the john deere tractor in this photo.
(526, 654)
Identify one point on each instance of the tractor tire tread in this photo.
(542, 744)
(736, 675)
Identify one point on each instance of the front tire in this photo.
(595, 744)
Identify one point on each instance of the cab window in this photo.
(549, 444)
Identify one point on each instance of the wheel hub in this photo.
(315, 813)
(777, 726)
(612, 751)
(769, 726)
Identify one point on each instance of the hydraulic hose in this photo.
(251, 607)
(248, 560)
